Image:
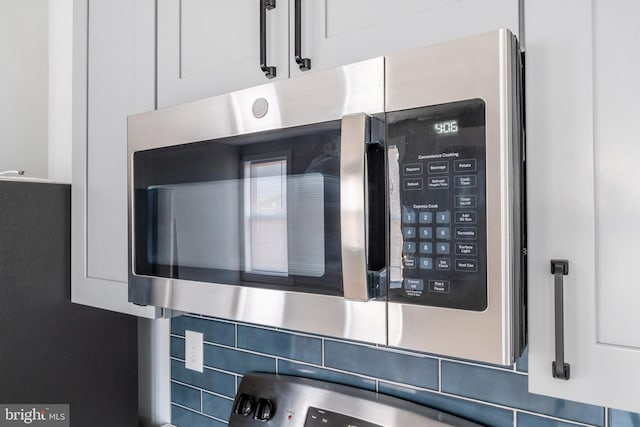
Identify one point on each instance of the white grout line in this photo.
(235, 337)
(551, 417)
(209, 368)
(203, 390)
(222, 396)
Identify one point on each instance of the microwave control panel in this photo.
(437, 205)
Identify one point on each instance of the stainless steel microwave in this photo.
(380, 201)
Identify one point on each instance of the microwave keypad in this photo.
(442, 166)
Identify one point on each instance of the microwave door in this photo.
(279, 220)
(240, 216)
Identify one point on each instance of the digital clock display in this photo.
(448, 127)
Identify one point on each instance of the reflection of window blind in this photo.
(266, 248)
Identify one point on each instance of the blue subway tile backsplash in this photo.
(211, 379)
(487, 394)
(623, 419)
(509, 388)
(184, 417)
(239, 362)
(296, 347)
(216, 406)
(286, 367)
(212, 331)
(186, 396)
(529, 420)
(381, 363)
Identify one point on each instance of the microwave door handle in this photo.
(353, 213)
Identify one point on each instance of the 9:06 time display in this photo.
(448, 127)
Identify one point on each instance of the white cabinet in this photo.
(583, 199)
(337, 32)
(113, 70)
(207, 48)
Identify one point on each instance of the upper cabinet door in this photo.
(113, 78)
(206, 47)
(583, 199)
(337, 32)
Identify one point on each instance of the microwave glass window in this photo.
(257, 210)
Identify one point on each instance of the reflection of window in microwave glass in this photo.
(265, 217)
(283, 218)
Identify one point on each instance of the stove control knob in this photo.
(264, 410)
(244, 405)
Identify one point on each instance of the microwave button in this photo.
(443, 233)
(426, 217)
(467, 265)
(465, 181)
(409, 247)
(439, 286)
(408, 216)
(466, 249)
(465, 201)
(412, 184)
(415, 284)
(409, 232)
(438, 167)
(466, 233)
(426, 247)
(426, 263)
(413, 169)
(466, 165)
(443, 248)
(443, 217)
(466, 217)
(438, 183)
(409, 262)
(426, 232)
(443, 264)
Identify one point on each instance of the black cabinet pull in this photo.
(560, 268)
(303, 63)
(268, 70)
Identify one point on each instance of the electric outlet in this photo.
(193, 351)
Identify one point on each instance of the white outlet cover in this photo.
(193, 351)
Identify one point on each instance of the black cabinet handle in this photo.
(303, 63)
(268, 70)
(560, 268)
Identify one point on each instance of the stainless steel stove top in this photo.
(285, 401)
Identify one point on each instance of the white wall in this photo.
(60, 88)
(24, 77)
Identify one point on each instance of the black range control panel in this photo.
(441, 180)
